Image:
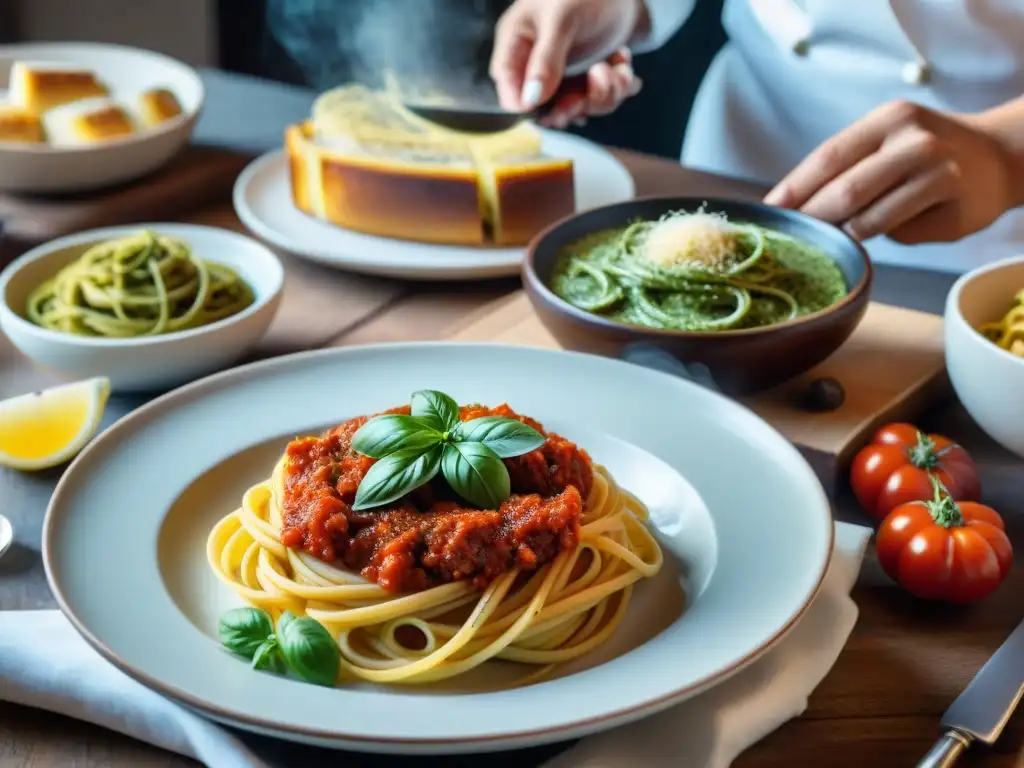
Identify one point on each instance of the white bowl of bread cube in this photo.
(76, 117)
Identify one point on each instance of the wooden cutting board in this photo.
(892, 369)
(197, 176)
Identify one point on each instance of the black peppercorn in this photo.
(825, 394)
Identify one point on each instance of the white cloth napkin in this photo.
(44, 663)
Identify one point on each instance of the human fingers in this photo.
(841, 152)
(568, 105)
(628, 80)
(612, 85)
(555, 33)
(922, 192)
(852, 191)
(513, 41)
(608, 84)
(570, 108)
(604, 92)
(603, 89)
(635, 86)
(941, 223)
(623, 76)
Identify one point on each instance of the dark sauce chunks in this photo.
(429, 536)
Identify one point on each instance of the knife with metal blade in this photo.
(984, 707)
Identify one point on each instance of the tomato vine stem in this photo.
(942, 507)
(923, 455)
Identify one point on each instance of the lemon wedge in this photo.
(43, 429)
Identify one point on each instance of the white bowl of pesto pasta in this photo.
(984, 323)
(150, 306)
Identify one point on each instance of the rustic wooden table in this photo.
(880, 705)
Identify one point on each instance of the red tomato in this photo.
(898, 465)
(944, 550)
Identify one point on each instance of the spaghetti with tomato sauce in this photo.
(543, 579)
(428, 537)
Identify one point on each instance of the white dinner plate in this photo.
(263, 202)
(747, 536)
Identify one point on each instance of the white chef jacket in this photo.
(795, 72)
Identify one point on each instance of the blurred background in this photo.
(321, 43)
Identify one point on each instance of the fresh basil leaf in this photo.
(476, 473)
(383, 435)
(243, 630)
(310, 651)
(506, 437)
(268, 656)
(395, 475)
(435, 409)
(284, 619)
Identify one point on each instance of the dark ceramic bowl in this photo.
(740, 361)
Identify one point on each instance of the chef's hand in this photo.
(905, 171)
(535, 38)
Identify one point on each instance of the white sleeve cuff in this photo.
(666, 16)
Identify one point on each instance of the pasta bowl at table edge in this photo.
(739, 361)
(987, 379)
(144, 363)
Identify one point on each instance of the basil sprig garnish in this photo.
(244, 630)
(411, 450)
(476, 473)
(308, 649)
(300, 644)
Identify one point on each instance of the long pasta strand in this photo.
(607, 273)
(1008, 331)
(142, 285)
(563, 610)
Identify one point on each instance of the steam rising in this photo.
(434, 47)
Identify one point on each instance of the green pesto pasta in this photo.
(143, 285)
(766, 278)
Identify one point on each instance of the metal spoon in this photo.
(6, 534)
(494, 119)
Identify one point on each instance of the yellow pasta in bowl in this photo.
(1008, 331)
(984, 329)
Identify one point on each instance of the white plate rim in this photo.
(338, 737)
(500, 262)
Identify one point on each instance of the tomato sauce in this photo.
(429, 536)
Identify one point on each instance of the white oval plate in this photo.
(125, 532)
(263, 202)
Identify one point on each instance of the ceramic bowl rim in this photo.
(187, 116)
(266, 293)
(536, 285)
(953, 310)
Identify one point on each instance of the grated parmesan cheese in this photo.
(690, 240)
